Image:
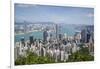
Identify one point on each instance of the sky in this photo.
(57, 14)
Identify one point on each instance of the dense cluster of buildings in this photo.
(31, 27)
(59, 47)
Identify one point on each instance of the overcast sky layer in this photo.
(57, 14)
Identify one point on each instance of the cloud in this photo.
(90, 15)
(58, 19)
(20, 18)
(26, 5)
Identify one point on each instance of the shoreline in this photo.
(26, 32)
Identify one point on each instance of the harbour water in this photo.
(69, 30)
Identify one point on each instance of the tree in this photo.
(81, 55)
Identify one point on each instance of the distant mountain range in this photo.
(22, 23)
(34, 23)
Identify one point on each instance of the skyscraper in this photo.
(88, 37)
(56, 31)
(84, 35)
(23, 41)
(45, 35)
(31, 39)
(87, 33)
(60, 36)
(25, 27)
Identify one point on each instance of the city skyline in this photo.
(43, 35)
(57, 14)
